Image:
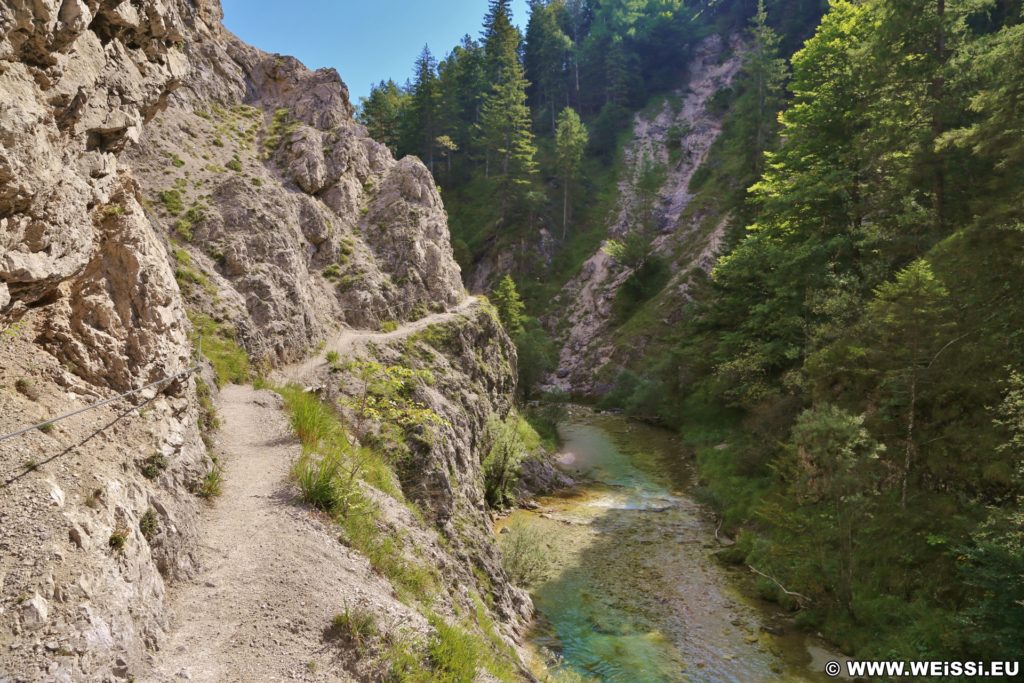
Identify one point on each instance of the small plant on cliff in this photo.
(148, 525)
(324, 483)
(230, 362)
(212, 483)
(171, 200)
(152, 466)
(501, 464)
(355, 626)
(26, 388)
(118, 539)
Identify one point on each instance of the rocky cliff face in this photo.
(153, 167)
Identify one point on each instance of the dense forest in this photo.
(851, 373)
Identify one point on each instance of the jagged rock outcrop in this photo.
(258, 169)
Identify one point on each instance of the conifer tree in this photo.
(382, 111)
(570, 142)
(510, 306)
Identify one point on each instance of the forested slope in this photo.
(849, 372)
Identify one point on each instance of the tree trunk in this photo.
(565, 208)
(908, 455)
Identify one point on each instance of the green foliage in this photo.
(118, 539)
(172, 201)
(501, 464)
(230, 362)
(537, 356)
(381, 113)
(356, 626)
(524, 554)
(571, 139)
(511, 309)
(152, 466)
(212, 484)
(149, 527)
(453, 653)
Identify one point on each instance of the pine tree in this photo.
(570, 142)
(382, 111)
(545, 58)
(424, 108)
(510, 306)
(764, 73)
(506, 134)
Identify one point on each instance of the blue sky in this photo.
(365, 40)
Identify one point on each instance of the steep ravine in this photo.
(583, 313)
(158, 179)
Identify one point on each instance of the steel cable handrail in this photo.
(108, 401)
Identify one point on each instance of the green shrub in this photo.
(172, 202)
(26, 388)
(148, 525)
(235, 165)
(118, 539)
(230, 362)
(46, 427)
(389, 326)
(333, 357)
(523, 553)
(332, 271)
(152, 466)
(177, 162)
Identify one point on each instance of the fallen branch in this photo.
(781, 587)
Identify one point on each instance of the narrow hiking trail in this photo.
(273, 573)
(343, 342)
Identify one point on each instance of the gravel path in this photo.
(274, 573)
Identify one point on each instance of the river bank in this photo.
(632, 590)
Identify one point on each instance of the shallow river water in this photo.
(632, 593)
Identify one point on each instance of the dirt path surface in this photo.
(348, 339)
(274, 574)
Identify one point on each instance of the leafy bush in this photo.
(501, 464)
(523, 553)
(171, 200)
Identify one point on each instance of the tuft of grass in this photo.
(235, 165)
(172, 201)
(46, 427)
(355, 626)
(322, 481)
(177, 161)
(453, 653)
(26, 388)
(148, 525)
(389, 326)
(118, 539)
(30, 465)
(212, 484)
(230, 362)
(311, 420)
